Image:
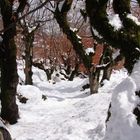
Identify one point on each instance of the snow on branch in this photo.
(89, 51)
(102, 66)
(96, 33)
(74, 29)
(135, 19)
(116, 54)
(115, 21)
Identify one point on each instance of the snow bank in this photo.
(67, 114)
(38, 74)
(136, 75)
(122, 124)
(32, 93)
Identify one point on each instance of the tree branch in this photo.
(123, 39)
(13, 24)
(61, 17)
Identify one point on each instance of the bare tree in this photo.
(30, 24)
(61, 13)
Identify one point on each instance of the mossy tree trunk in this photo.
(9, 77)
(108, 61)
(127, 39)
(61, 17)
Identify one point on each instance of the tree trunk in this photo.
(9, 81)
(107, 73)
(94, 80)
(74, 72)
(9, 77)
(4, 134)
(108, 61)
(29, 38)
(49, 73)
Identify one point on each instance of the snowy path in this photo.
(67, 114)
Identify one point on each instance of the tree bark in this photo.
(117, 38)
(94, 80)
(9, 77)
(29, 38)
(108, 60)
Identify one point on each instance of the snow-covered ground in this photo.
(67, 113)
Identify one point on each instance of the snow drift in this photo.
(122, 124)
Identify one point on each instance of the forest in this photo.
(69, 69)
